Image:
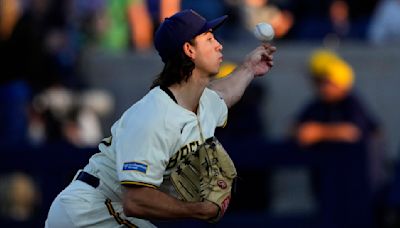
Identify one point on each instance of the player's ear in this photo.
(189, 50)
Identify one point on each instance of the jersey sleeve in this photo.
(142, 150)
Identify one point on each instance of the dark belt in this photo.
(88, 179)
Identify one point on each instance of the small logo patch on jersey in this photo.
(135, 166)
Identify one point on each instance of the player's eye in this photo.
(218, 39)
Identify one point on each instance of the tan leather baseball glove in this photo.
(206, 174)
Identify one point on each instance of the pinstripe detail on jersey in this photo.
(224, 125)
(107, 141)
(127, 183)
(116, 216)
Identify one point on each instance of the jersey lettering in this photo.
(182, 153)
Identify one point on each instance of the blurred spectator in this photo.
(168, 8)
(339, 17)
(19, 198)
(126, 24)
(41, 49)
(61, 115)
(311, 19)
(336, 114)
(345, 19)
(160, 9)
(114, 27)
(10, 11)
(37, 51)
(141, 26)
(30, 46)
(385, 22)
(256, 11)
(122, 25)
(14, 89)
(88, 18)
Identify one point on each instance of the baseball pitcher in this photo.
(162, 161)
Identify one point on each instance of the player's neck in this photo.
(188, 93)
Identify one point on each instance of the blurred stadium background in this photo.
(69, 69)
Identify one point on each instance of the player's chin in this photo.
(212, 72)
(212, 75)
(216, 68)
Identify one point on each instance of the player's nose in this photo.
(219, 46)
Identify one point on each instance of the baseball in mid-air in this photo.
(264, 32)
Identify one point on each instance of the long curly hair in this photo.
(177, 69)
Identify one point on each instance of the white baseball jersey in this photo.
(149, 139)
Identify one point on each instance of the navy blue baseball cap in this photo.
(183, 26)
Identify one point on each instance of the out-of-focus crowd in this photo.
(45, 98)
(41, 43)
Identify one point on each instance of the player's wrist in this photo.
(247, 69)
(204, 210)
(211, 210)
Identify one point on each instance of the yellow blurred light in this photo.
(326, 64)
(341, 74)
(320, 59)
(225, 69)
